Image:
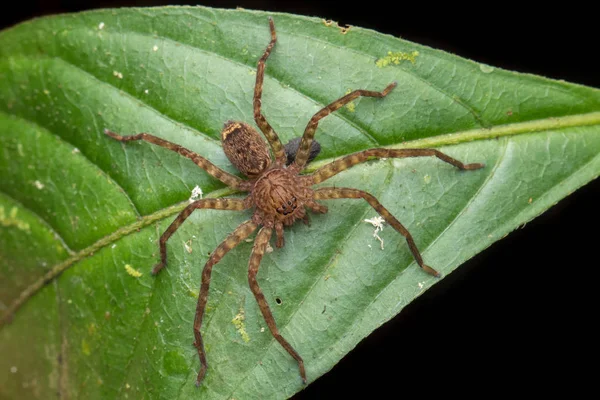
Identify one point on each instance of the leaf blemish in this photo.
(240, 326)
(133, 272)
(343, 29)
(486, 69)
(350, 106)
(85, 347)
(12, 219)
(396, 58)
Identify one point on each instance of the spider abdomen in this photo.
(245, 148)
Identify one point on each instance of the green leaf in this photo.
(76, 202)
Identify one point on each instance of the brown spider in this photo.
(278, 194)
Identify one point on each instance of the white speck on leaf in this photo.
(101, 25)
(155, 48)
(38, 185)
(188, 246)
(13, 370)
(377, 222)
(118, 74)
(196, 194)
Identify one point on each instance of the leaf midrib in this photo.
(554, 123)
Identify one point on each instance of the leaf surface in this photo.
(73, 200)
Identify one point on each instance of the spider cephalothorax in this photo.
(277, 192)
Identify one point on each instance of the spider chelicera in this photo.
(277, 193)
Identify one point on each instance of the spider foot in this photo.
(431, 271)
(474, 166)
(201, 375)
(156, 269)
(302, 372)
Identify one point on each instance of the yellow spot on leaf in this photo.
(350, 106)
(240, 326)
(396, 58)
(12, 219)
(133, 272)
(85, 347)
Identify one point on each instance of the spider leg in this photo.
(215, 204)
(238, 235)
(225, 177)
(262, 239)
(260, 119)
(337, 166)
(311, 128)
(345, 193)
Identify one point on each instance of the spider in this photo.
(277, 193)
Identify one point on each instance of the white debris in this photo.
(188, 246)
(155, 48)
(196, 194)
(101, 25)
(377, 222)
(38, 184)
(118, 74)
(13, 370)
(146, 91)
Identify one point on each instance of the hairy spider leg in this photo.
(215, 204)
(260, 119)
(240, 233)
(328, 193)
(337, 166)
(311, 128)
(260, 244)
(224, 176)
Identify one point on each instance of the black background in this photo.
(518, 318)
